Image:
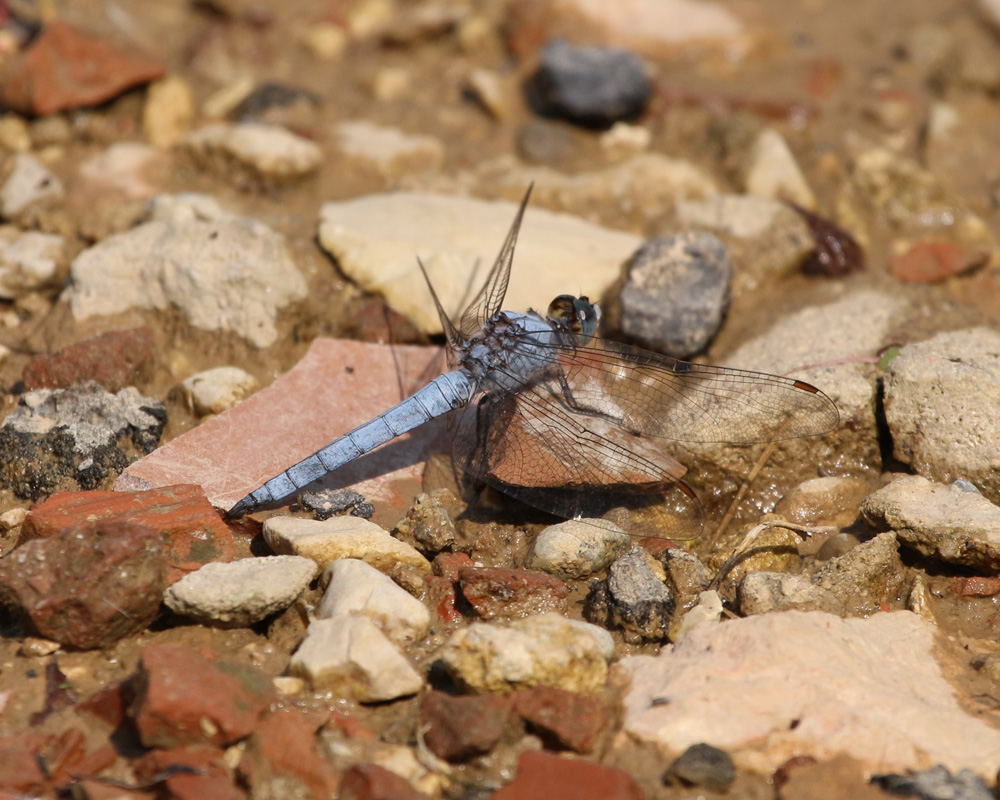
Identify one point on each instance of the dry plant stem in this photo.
(741, 493)
(733, 560)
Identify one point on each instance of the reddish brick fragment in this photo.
(283, 750)
(115, 360)
(372, 782)
(544, 776)
(976, 586)
(511, 593)
(458, 728)
(195, 533)
(447, 565)
(441, 597)
(64, 68)
(182, 698)
(207, 778)
(563, 719)
(929, 262)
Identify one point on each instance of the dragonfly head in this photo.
(577, 314)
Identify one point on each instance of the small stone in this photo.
(389, 150)
(114, 360)
(372, 782)
(774, 174)
(428, 524)
(542, 141)
(976, 587)
(186, 772)
(567, 720)
(168, 112)
(622, 140)
(702, 765)
(838, 545)
(511, 593)
(357, 588)
(216, 390)
(350, 656)
(268, 97)
(28, 183)
(632, 599)
(545, 775)
(708, 610)
(221, 103)
(930, 262)
(494, 93)
(577, 548)
(240, 593)
(183, 698)
(65, 68)
(51, 131)
(449, 565)
(252, 154)
(939, 521)
(193, 532)
(75, 438)
(126, 171)
(592, 86)
(823, 501)
(341, 537)
(28, 260)
(87, 586)
(326, 40)
(936, 783)
(14, 134)
(391, 83)
(545, 650)
(687, 577)
(34, 647)
(330, 502)
(460, 728)
(676, 293)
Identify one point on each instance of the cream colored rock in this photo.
(358, 588)
(546, 650)
(387, 149)
(786, 684)
(351, 657)
(28, 183)
(773, 172)
(168, 112)
(28, 260)
(215, 390)
(577, 548)
(253, 151)
(341, 537)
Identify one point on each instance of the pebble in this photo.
(932, 261)
(622, 140)
(708, 610)
(676, 293)
(702, 765)
(216, 390)
(936, 783)
(86, 586)
(354, 587)
(75, 437)
(592, 86)
(113, 360)
(65, 68)
(240, 593)
(341, 537)
(458, 728)
(350, 656)
(836, 546)
(28, 183)
(495, 93)
(183, 698)
(372, 782)
(129, 170)
(451, 235)
(330, 502)
(577, 548)
(511, 593)
(823, 501)
(564, 720)
(632, 599)
(940, 395)
(939, 521)
(28, 260)
(544, 650)
(251, 154)
(388, 150)
(168, 112)
(225, 273)
(428, 524)
(14, 134)
(326, 40)
(874, 672)
(773, 172)
(192, 530)
(546, 775)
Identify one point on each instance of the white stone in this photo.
(773, 172)
(125, 168)
(389, 150)
(215, 390)
(240, 593)
(227, 273)
(28, 260)
(357, 588)
(350, 656)
(376, 240)
(577, 548)
(341, 537)
(265, 152)
(708, 611)
(29, 182)
(545, 650)
(738, 215)
(786, 684)
(168, 112)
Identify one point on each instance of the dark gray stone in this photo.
(591, 86)
(702, 765)
(632, 599)
(328, 502)
(936, 783)
(676, 293)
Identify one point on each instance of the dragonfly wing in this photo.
(655, 395)
(490, 298)
(535, 448)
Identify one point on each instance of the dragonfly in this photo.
(573, 424)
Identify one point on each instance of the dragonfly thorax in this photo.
(511, 343)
